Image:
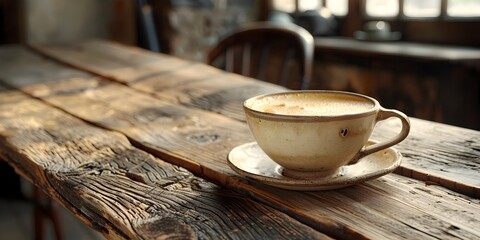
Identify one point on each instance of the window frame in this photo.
(321, 3)
(455, 18)
(369, 17)
(443, 16)
(402, 14)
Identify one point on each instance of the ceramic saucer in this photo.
(250, 161)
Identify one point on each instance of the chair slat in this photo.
(246, 59)
(265, 45)
(284, 70)
(263, 62)
(230, 59)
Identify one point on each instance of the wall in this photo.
(187, 29)
(439, 91)
(56, 21)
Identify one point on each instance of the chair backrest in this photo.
(279, 53)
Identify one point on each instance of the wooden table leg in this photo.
(44, 207)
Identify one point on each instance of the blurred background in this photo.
(449, 22)
(419, 56)
(409, 54)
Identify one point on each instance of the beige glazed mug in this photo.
(312, 134)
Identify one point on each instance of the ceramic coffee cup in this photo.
(312, 134)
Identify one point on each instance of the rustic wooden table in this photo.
(135, 144)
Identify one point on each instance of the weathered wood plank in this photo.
(219, 92)
(167, 78)
(126, 64)
(200, 141)
(413, 205)
(122, 191)
(438, 154)
(200, 87)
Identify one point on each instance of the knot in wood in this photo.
(204, 138)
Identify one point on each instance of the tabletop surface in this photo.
(135, 144)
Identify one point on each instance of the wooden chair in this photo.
(279, 53)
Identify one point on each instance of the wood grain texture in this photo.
(201, 87)
(122, 191)
(167, 78)
(218, 92)
(439, 154)
(391, 207)
(200, 141)
(126, 64)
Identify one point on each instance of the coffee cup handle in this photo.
(384, 114)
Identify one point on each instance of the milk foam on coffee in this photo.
(312, 104)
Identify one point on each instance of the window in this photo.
(463, 8)
(284, 5)
(382, 8)
(423, 8)
(337, 7)
(308, 5)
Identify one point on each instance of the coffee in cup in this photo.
(312, 134)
